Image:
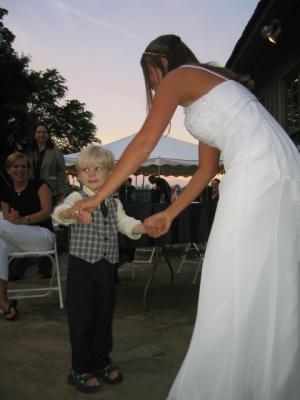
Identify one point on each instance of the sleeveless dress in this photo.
(246, 339)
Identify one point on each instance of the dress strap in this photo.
(205, 69)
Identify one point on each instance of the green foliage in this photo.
(15, 89)
(29, 96)
(69, 123)
(74, 128)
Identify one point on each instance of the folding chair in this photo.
(40, 291)
(142, 260)
(199, 251)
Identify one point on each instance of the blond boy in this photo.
(94, 250)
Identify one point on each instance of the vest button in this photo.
(105, 254)
(105, 238)
(104, 223)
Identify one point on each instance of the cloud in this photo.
(91, 19)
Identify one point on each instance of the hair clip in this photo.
(152, 53)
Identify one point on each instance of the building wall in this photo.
(273, 66)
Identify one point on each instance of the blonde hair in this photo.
(95, 155)
(14, 157)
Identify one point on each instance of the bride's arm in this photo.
(159, 224)
(166, 99)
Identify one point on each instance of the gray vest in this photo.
(92, 242)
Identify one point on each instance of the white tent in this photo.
(170, 156)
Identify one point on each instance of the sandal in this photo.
(80, 382)
(12, 306)
(105, 373)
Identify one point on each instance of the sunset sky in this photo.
(97, 44)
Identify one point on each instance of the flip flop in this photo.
(104, 374)
(80, 382)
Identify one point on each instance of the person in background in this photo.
(126, 191)
(215, 189)
(210, 199)
(174, 193)
(126, 195)
(165, 193)
(94, 251)
(26, 205)
(250, 274)
(48, 163)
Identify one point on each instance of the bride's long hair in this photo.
(177, 53)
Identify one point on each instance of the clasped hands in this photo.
(155, 226)
(14, 217)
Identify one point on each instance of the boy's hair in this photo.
(95, 155)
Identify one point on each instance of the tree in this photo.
(15, 88)
(28, 96)
(69, 123)
(74, 128)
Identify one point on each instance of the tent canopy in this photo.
(170, 157)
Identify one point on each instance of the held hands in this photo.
(83, 216)
(89, 204)
(158, 224)
(14, 217)
(82, 209)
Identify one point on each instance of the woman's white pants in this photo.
(23, 238)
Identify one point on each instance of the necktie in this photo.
(103, 209)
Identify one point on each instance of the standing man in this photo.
(163, 187)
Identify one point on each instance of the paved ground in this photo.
(149, 347)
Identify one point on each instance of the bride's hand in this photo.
(158, 224)
(83, 216)
(89, 204)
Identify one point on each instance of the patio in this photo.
(149, 347)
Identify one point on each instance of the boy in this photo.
(91, 272)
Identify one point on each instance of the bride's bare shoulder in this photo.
(192, 82)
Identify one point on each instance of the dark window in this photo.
(292, 104)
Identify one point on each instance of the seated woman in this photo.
(26, 205)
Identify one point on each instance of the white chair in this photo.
(199, 251)
(40, 291)
(142, 260)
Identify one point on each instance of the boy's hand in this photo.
(139, 229)
(83, 216)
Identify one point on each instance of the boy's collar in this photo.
(88, 191)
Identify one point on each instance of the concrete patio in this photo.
(149, 347)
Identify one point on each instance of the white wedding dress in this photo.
(246, 340)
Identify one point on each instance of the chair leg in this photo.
(183, 258)
(61, 303)
(198, 270)
(132, 270)
(42, 291)
(201, 258)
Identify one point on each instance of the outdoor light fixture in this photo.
(272, 31)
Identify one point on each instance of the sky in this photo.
(96, 45)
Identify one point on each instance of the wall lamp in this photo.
(272, 31)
